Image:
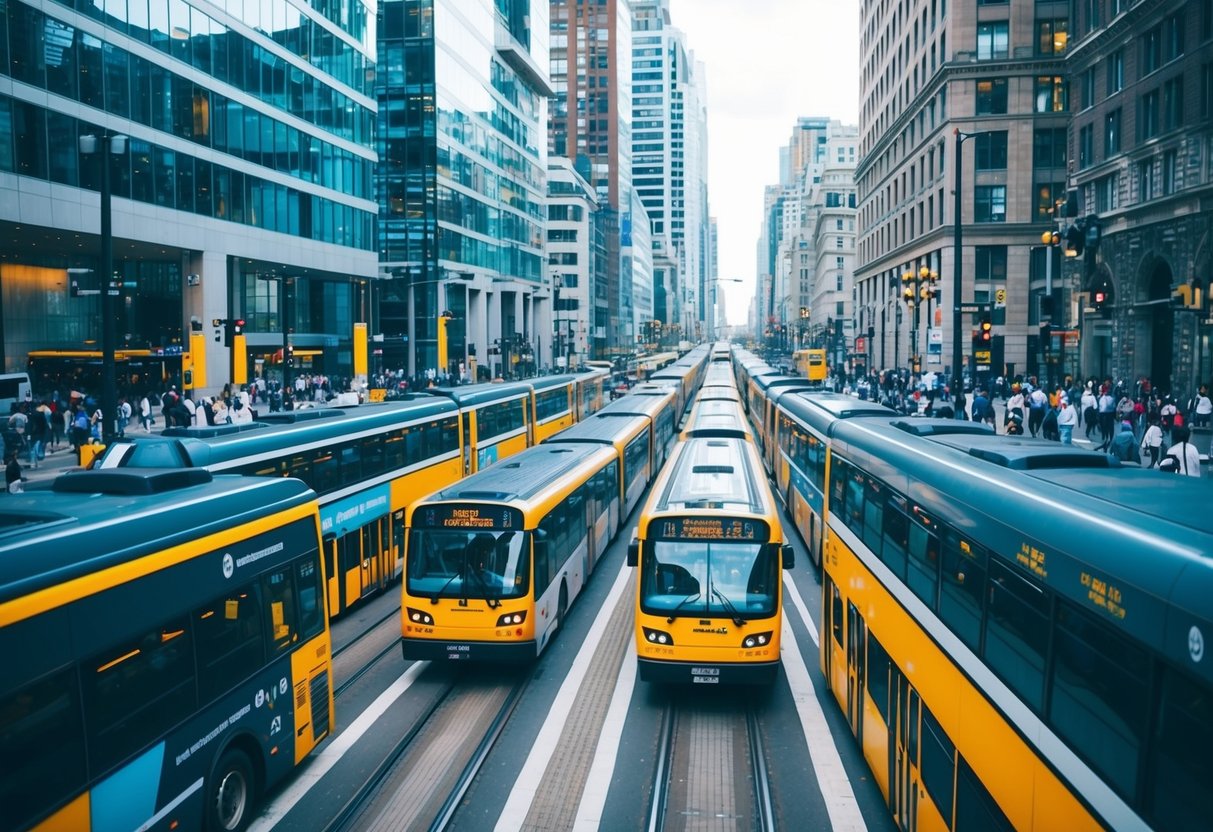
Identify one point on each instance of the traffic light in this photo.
(984, 333)
(219, 324)
(238, 326)
(1075, 238)
(1050, 238)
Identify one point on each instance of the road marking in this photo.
(531, 773)
(832, 778)
(794, 592)
(598, 783)
(311, 773)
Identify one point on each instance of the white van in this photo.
(14, 388)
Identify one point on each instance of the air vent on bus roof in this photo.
(130, 481)
(712, 469)
(211, 431)
(485, 495)
(940, 427)
(1022, 458)
(307, 414)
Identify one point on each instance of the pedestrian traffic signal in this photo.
(1075, 238)
(985, 330)
(238, 326)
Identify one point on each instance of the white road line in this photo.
(598, 783)
(832, 778)
(532, 771)
(311, 772)
(792, 591)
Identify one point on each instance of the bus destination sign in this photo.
(712, 528)
(469, 517)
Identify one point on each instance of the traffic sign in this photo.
(1000, 297)
(982, 356)
(972, 308)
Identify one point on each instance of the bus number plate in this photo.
(705, 675)
(455, 652)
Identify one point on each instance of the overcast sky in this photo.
(768, 62)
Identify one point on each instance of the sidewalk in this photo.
(56, 463)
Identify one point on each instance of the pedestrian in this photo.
(1124, 445)
(37, 431)
(1151, 443)
(124, 416)
(1067, 418)
(1089, 405)
(1038, 404)
(1202, 408)
(12, 474)
(1015, 406)
(1107, 419)
(1048, 425)
(1014, 426)
(1185, 453)
(145, 414)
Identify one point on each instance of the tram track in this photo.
(420, 783)
(711, 770)
(359, 656)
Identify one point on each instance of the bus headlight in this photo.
(418, 616)
(657, 636)
(511, 618)
(756, 640)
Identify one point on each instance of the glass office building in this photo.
(244, 189)
(462, 95)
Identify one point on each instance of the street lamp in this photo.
(918, 287)
(957, 248)
(104, 146)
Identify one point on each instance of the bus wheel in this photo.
(562, 606)
(230, 795)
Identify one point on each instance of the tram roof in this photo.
(602, 427)
(91, 520)
(525, 474)
(713, 473)
(472, 395)
(821, 408)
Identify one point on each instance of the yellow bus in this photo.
(708, 547)
(1015, 630)
(166, 649)
(811, 363)
(493, 562)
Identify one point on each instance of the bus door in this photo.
(832, 650)
(372, 566)
(856, 666)
(467, 419)
(905, 776)
(334, 575)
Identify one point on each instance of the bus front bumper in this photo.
(708, 673)
(439, 650)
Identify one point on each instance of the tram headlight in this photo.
(511, 618)
(418, 616)
(754, 640)
(657, 636)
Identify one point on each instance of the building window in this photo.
(1051, 36)
(990, 203)
(1049, 148)
(1047, 195)
(1111, 134)
(1206, 89)
(1091, 17)
(1145, 180)
(1147, 115)
(992, 97)
(1173, 37)
(838, 283)
(1116, 72)
(1170, 164)
(989, 269)
(1206, 20)
(1151, 51)
(1086, 146)
(1087, 88)
(1050, 94)
(1107, 193)
(990, 150)
(1172, 103)
(993, 40)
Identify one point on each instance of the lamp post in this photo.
(957, 249)
(917, 287)
(104, 146)
(558, 331)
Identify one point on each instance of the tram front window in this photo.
(459, 564)
(701, 578)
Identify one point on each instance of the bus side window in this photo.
(228, 635)
(280, 594)
(311, 601)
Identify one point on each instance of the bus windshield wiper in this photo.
(438, 594)
(493, 603)
(728, 605)
(680, 605)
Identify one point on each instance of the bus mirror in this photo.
(787, 555)
(633, 549)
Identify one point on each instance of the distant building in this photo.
(1141, 151)
(462, 184)
(575, 252)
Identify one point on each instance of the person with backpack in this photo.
(1151, 443)
(1185, 454)
(1038, 403)
(80, 428)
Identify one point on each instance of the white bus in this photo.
(14, 388)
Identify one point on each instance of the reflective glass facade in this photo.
(461, 186)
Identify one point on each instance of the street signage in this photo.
(1000, 298)
(982, 356)
(972, 308)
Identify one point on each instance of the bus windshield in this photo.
(696, 577)
(488, 565)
